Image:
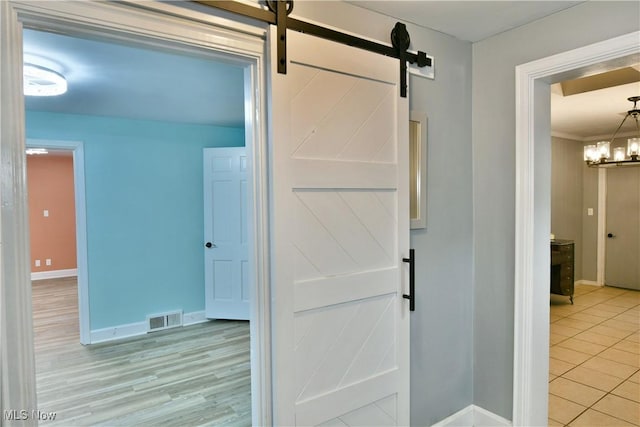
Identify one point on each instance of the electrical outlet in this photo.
(48, 261)
(45, 213)
(37, 263)
(590, 211)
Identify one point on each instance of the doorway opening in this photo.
(533, 149)
(599, 216)
(66, 181)
(251, 131)
(52, 213)
(591, 322)
(51, 176)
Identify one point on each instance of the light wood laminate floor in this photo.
(195, 375)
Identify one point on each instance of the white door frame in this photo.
(533, 145)
(158, 24)
(601, 241)
(77, 148)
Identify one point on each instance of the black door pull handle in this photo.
(412, 280)
(210, 245)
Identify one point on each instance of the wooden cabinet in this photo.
(562, 267)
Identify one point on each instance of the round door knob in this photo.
(209, 245)
(611, 235)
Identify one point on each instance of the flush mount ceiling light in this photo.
(33, 151)
(40, 81)
(599, 155)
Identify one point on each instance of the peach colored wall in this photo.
(50, 183)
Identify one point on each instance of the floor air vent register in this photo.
(158, 322)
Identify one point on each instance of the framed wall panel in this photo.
(418, 169)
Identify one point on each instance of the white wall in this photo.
(494, 62)
(441, 326)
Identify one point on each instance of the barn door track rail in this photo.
(278, 15)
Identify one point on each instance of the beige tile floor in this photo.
(594, 363)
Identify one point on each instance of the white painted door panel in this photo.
(225, 216)
(340, 212)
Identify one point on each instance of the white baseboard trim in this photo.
(193, 318)
(139, 328)
(588, 282)
(54, 274)
(463, 417)
(484, 418)
(473, 416)
(118, 332)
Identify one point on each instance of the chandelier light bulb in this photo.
(604, 150)
(633, 147)
(618, 154)
(590, 153)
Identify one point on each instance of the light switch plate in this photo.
(37, 263)
(48, 261)
(45, 212)
(590, 211)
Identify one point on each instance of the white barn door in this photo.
(340, 213)
(226, 251)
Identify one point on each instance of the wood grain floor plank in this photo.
(196, 375)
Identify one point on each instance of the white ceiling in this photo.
(108, 79)
(466, 20)
(593, 115)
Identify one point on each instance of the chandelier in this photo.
(599, 154)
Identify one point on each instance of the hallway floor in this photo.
(594, 365)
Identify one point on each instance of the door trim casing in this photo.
(169, 26)
(77, 148)
(531, 308)
(601, 249)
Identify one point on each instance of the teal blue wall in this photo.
(144, 210)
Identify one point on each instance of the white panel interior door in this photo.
(340, 213)
(623, 224)
(225, 233)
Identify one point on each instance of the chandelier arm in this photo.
(617, 130)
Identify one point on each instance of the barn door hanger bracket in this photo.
(278, 15)
(281, 8)
(401, 40)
